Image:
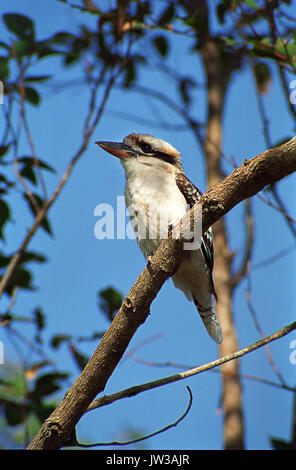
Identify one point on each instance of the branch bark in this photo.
(244, 182)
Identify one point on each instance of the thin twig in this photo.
(196, 126)
(142, 438)
(230, 373)
(17, 136)
(147, 122)
(34, 154)
(132, 391)
(274, 258)
(268, 141)
(146, 341)
(281, 207)
(43, 211)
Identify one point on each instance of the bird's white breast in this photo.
(154, 202)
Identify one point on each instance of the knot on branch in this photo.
(53, 429)
(132, 313)
(128, 306)
(212, 206)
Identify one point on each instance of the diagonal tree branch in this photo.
(132, 391)
(244, 182)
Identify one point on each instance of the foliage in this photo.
(24, 398)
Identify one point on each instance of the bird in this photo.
(157, 195)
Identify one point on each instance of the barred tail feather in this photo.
(213, 327)
(211, 323)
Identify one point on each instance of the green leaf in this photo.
(282, 50)
(28, 168)
(251, 4)
(28, 256)
(45, 223)
(130, 73)
(79, 358)
(42, 411)
(110, 301)
(47, 384)
(167, 15)
(4, 149)
(28, 173)
(4, 45)
(15, 413)
(30, 161)
(262, 48)
(13, 386)
(4, 67)
(20, 25)
(230, 41)
(185, 86)
(4, 216)
(5, 184)
(57, 340)
(37, 78)
(71, 57)
(191, 20)
(262, 75)
(287, 49)
(32, 96)
(62, 37)
(43, 49)
(161, 45)
(25, 47)
(39, 318)
(20, 278)
(220, 12)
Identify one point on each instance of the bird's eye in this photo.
(146, 147)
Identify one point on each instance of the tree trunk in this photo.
(217, 79)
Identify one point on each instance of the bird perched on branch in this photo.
(157, 195)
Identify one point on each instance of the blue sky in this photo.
(79, 265)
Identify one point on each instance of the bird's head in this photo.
(143, 147)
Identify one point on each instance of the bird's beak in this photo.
(119, 150)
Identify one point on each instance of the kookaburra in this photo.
(157, 189)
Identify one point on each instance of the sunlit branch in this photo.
(176, 365)
(132, 391)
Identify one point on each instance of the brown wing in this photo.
(192, 195)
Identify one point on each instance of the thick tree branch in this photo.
(243, 183)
